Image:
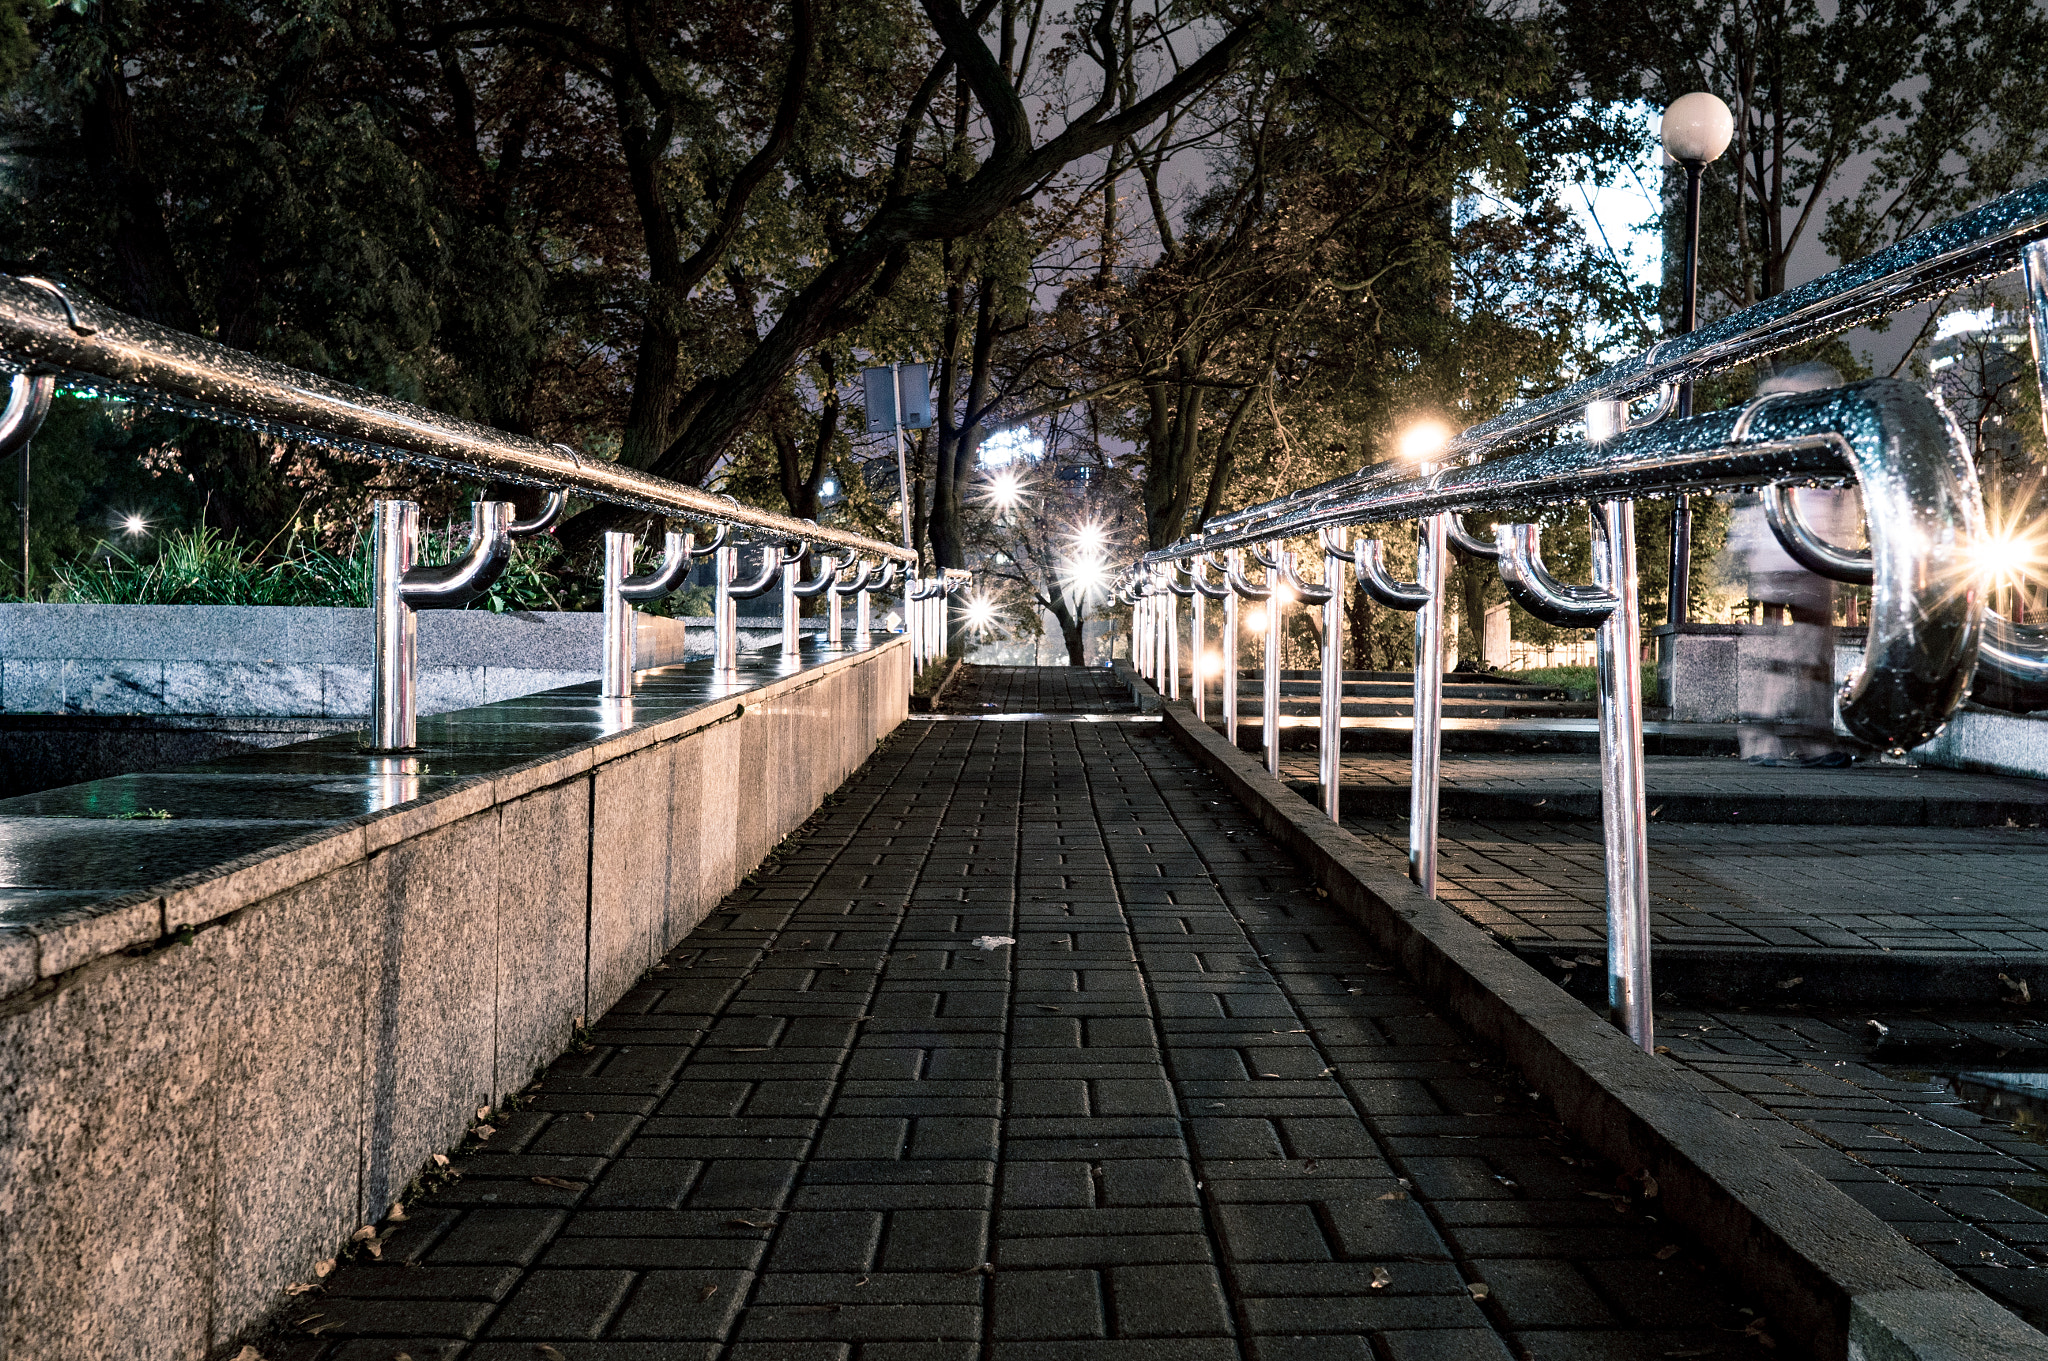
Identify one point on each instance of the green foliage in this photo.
(206, 567)
(1581, 683)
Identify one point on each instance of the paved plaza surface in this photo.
(1769, 882)
(1937, 1144)
(1022, 690)
(1030, 1046)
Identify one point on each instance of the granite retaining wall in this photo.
(308, 661)
(207, 1084)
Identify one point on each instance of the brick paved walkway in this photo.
(1037, 690)
(1538, 883)
(1967, 890)
(1693, 789)
(1967, 1187)
(1187, 1115)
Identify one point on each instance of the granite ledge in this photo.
(41, 950)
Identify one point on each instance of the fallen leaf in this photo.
(248, 1354)
(397, 1211)
(560, 1182)
(1603, 1195)
(307, 1319)
(365, 1232)
(707, 1292)
(985, 1269)
(993, 942)
(1664, 1049)
(1666, 1253)
(1791, 982)
(1649, 1184)
(1479, 1290)
(484, 1132)
(1043, 1006)
(1380, 1278)
(859, 1283)
(748, 1224)
(440, 1160)
(295, 1288)
(1393, 1195)
(588, 1116)
(547, 1353)
(483, 1112)
(375, 1249)
(322, 1268)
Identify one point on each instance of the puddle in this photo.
(2017, 1099)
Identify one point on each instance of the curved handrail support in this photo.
(1307, 592)
(1369, 561)
(859, 582)
(828, 573)
(1174, 575)
(544, 519)
(451, 585)
(718, 540)
(676, 556)
(771, 572)
(890, 571)
(1807, 548)
(1465, 541)
(1233, 574)
(28, 402)
(1266, 555)
(2016, 656)
(1198, 578)
(1531, 585)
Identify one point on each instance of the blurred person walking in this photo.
(1786, 677)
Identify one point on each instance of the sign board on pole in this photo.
(914, 382)
(880, 384)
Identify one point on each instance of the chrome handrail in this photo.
(111, 352)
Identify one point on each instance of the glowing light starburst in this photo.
(1005, 489)
(980, 614)
(1424, 440)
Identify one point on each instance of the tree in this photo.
(1939, 99)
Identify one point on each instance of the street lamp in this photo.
(1697, 129)
(134, 524)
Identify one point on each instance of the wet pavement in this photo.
(1029, 1046)
(64, 850)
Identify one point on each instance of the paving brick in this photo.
(1048, 1304)
(567, 1304)
(1169, 1301)
(840, 1154)
(684, 1304)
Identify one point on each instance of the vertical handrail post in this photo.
(1198, 688)
(1269, 692)
(1172, 607)
(1619, 654)
(616, 679)
(394, 649)
(1330, 740)
(1233, 561)
(725, 642)
(792, 641)
(1425, 748)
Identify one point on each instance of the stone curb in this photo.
(1832, 1273)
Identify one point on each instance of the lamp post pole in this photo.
(1688, 302)
(1697, 129)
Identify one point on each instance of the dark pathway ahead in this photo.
(1187, 1114)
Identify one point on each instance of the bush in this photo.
(205, 567)
(1582, 683)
